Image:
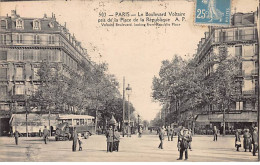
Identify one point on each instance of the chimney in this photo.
(65, 24)
(13, 14)
(45, 16)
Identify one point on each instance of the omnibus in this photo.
(84, 124)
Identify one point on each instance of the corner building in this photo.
(241, 40)
(24, 44)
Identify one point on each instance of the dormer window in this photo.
(51, 24)
(36, 25)
(3, 24)
(19, 24)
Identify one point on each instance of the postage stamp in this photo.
(214, 12)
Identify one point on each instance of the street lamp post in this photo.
(128, 92)
(138, 128)
(123, 123)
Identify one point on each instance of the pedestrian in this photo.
(247, 140)
(140, 132)
(45, 134)
(16, 136)
(40, 132)
(109, 136)
(180, 134)
(237, 140)
(80, 141)
(255, 141)
(215, 133)
(184, 140)
(116, 140)
(169, 133)
(74, 140)
(161, 137)
(190, 139)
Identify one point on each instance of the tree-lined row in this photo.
(186, 87)
(94, 93)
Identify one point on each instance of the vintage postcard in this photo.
(129, 81)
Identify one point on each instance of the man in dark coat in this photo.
(109, 136)
(215, 133)
(255, 141)
(40, 132)
(45, 134)
(16, 136)
(74, 140)
(184, 144)
(161, 137)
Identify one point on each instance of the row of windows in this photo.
(19, 89)
(30, 55)
(19, 24)
(20, 73)
(20, 39)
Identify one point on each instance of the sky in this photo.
(135, 53)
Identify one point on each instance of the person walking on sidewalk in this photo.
(237, 140)
(184, 144)
(161, 137)
(16, 136)
(80, 142)
(74, 140)
(116, 140)
(247, 140)
(110, 136)
(255, 141)
(190, 139)
(215, 133)
(45, 134)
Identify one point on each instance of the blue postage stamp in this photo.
(215, 12)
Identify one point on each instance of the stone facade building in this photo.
(24, 44)
(240, 38)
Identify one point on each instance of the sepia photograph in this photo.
(129, 81)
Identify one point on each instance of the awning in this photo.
(229, 117)
(63, 117)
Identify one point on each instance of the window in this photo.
(3, 24)
(35, 74)
(248, 87)
(3, 73)
(3, 55)
(239, 105)
(248, 50)
(256, 49)
(20, 56)
(19, 73)
(36, 55)
(51, 39)
(19, 89)
(19, 24)
(238, 34)
(247, 67)
(238, 50)
(3, 39)
(36, 25)
(28, 55)
(3, 90)
(51, 24)
(249, 34)
(36, 39)
(20, 38)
